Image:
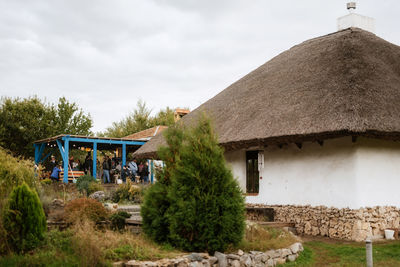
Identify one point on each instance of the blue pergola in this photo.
(66, 142)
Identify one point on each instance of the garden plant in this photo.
(204, 210)
(24, 219)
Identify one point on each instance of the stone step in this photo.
(134, 221)
(129, 208)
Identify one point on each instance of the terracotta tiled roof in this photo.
(146, 134)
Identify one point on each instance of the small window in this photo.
(252, 174)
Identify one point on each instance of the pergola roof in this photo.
(103, 143)
(65, 142)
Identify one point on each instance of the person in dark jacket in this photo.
(125, 173)
(106, 169)
(88, 164)
(52, 163)
(145, 172)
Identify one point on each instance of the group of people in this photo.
(136, 172)
(133, 171)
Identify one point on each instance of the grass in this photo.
(323, 253)
(56, 250)
(83, 245)
(263, 238)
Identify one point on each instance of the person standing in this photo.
(88, 164)
(145, 172)
(140, 171)
(55, 174)
(124, 173)
(106, 169)
(133, 168)
(52, 163)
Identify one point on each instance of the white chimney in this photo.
(355, 20)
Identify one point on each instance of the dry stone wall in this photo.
(239, 259)
(351, 224)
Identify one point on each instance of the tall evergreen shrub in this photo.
(24, 219)
(156, 202)
(207, 208)
(196, 204)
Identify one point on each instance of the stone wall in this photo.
(350, 224)
(238, 259)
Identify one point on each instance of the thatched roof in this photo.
(344, 83)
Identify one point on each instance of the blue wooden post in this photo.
(66, 158)
(123, 155)
(94, 160)
(152, 170)
(36, 153)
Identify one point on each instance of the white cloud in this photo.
(105, 55)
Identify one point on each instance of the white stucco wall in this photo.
(339, 174)
(378, 173)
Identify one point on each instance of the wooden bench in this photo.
(71, 175)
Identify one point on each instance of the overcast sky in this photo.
(105, 55)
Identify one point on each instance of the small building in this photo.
(313, 133)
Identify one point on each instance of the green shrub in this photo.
(155, 203)
(80, 209)
(83, 183)
(204, 209)
(13, 172)
(207, 210)
(94, 187)
(127, 192)
(118, 220)
(46, 181)
(24, 219)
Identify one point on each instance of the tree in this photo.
(156, 202)
(24, 219)
(70, 119)
(207, 209)
(140, 119)
(23, 121)
(204, 208)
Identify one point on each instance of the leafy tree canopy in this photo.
(23, 121)
(140, 119)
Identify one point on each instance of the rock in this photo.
(245, 260)
(118, 264)
(240, 252)
(279, 261)
(270, 262)
(285, 252)
(57, 203)
(195, 257)
(233, 257)
(264, 257)
(254, 252)
(235, 263)
(273, 253)
(149, 264)
(182, 264)
(222, 261)
(133, 263)
(292, 257)
(195, 264)
(205, 263)
(98, 195)
(295, 248)
(258, 258)
(212, 260)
